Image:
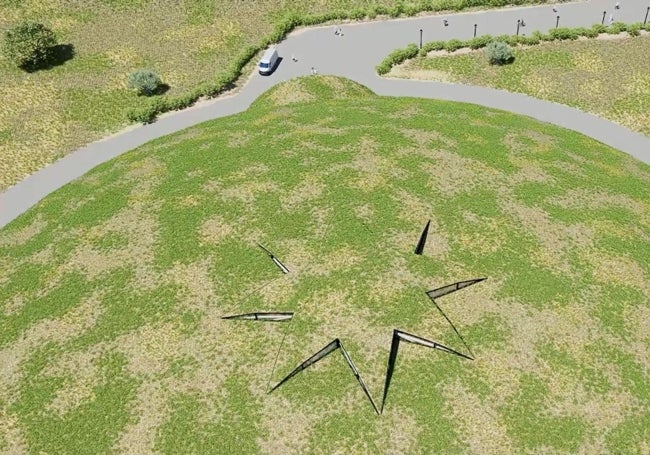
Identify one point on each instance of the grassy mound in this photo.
(112, 289)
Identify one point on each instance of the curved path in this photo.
(355, 56)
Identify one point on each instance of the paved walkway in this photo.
(355, 55)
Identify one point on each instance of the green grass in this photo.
(112, 288)
(188, 43)
(604, 77)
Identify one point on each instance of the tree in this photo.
(145, 82)
(29, 45)
(499, 53)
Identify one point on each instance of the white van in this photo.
(269, 60)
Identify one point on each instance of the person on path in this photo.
(555, 9)
(611, 19)
(617, 6)
(293, 57)
(313, 70)
(445, 22)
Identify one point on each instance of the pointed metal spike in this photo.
(332, 346)
(419, 249)
(271, 317)
(357, 374)
(448, 289)
(429, 344)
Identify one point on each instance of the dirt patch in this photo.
(400, 430)
(152, 408)
(288, 432)
(247, 192)
(582, 198)
(136, 223)
(197, 288)
(11, 435)
(291, 92)
(405, 71)
(81, 374)
(74, 323)
(452, 174)
(618, 269)
(424, 139)
(149, 348)
(556, 238)
(22, 235)
(310, 187)
(364, 212)
(214, 230)
(477, 424)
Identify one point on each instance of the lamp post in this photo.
(420, 38)
(557, 21)
(518, 24)
(646, 15)
(604, 14)
(475, 25)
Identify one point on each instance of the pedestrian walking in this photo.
(313, 70)
(336, 31)
(523, 24)
(611, 19)
(555, 9)
(340, 31)
(293, 57)
(617, 6)
(445, 22)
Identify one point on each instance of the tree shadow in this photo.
(59, 54)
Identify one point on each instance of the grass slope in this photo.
(607, 77)
(112, 288)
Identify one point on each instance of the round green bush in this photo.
(499, 53)
(145, 82)
(28, 44)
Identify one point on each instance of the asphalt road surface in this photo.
(354, 55)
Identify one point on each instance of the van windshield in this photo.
(264, 65)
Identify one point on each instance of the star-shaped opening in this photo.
(428, 297)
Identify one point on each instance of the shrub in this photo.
(396, 57)
(141, 115)
(564, 33)
(616, 28)
(480, 41)
(145, 82)
(453, 45)
(499, 53)
(634, 29)
(434, 46)
(29, 44)
(358, 14)
(599, 28)
(589, 32)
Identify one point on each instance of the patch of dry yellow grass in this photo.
(214, 230)
(477, 424)
(72, 324)
(452, 174)
(291, 92)
(21, 236)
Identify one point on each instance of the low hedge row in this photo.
(411, 51)
(292, 20)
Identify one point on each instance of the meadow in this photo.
(112, 289)
(607, 77)
(47, 114)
